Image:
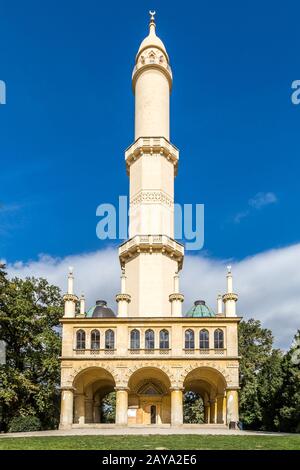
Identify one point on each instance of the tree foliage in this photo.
(29, 323)
(108, 408)
(269, 380)
(193, 408)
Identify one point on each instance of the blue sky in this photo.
(69, 117)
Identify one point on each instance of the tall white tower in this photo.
(151, 258)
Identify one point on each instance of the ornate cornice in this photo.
(121, 297)
(151, 244)
(176, 296)
(176, 388)
(122, 388)
(152, 147)
(151, 196)
(70, 298)
(230, 296)
(152, 57)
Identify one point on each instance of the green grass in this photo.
(153, 442)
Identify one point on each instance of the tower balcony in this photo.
(150, 244)
(150, 146)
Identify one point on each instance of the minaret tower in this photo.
(151, 258)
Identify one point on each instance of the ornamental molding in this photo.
(176, 296)
(70, 298)
(89, 365)
(208, 365)
(230, 296)
(125, 297)
(150, 197)
(152, 147)
(151, 245)
(151, 57)
(145, 364)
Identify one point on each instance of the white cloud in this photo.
(257, 202)
(241, 215)
(262, 199)
(267, 283)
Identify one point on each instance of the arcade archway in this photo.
(149, 400)
(92, 387)
(208, 386)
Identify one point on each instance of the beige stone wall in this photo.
(86, 376)
(176, 369)
(175, 326)
(152, 98)
(148, 274)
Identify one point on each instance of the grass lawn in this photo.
(159, 442)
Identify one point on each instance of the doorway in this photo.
(153, 414)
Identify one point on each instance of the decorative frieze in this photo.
(152, 147)
(230, 296)
(150, 197)
(151, 244)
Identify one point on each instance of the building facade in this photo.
(151, 352)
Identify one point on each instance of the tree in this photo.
(288, 413)
(29, 323)
(270, 383)
(108, 408)
(269, 380)
(193, 408)
(259, 374)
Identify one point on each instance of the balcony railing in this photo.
(149, 352)
(204, 352)
(94, 352)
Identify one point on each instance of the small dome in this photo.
(100, 310)
(200, 310)
(152, 40)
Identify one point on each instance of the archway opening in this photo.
(149, 400)
(205, 397)
(94, 396)
(108, 408)
(193, 408)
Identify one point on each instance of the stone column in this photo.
(213, 411)
(206, 412)
(97, 404)
(80, 409)
(123, 300)
(224, 410)
(176, 300)
(220, 416)
(176, 406)
(66, 413)
(89, 408)
(121, 406)
(232, 407)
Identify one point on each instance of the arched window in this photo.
(189, 339)
(109, 339)
(80, 339)
(95, 339)
(149, 339)
(135, 339)
(219, 339)
(204, 339)
(164, 339)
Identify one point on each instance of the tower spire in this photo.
(152, 24)
(151, 163)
